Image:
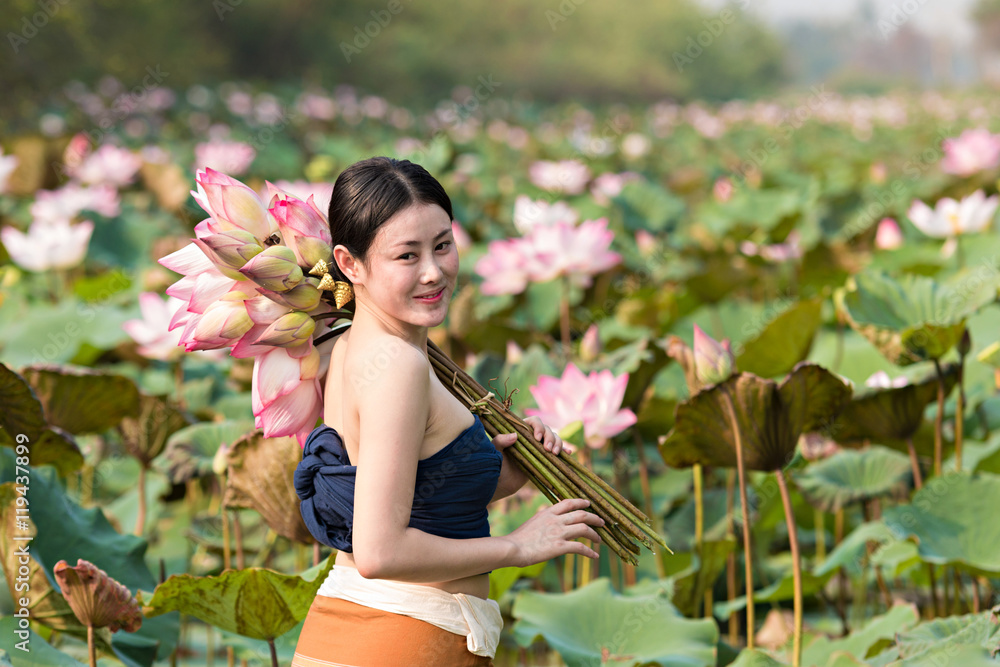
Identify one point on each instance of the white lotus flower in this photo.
(55, 245)
(950, 218)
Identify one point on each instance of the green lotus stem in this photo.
(934, 595)
(745, 508)
(699, 523)
(564, 317)
(959, 415)
(226, 556)
(820, 521)
(140, 519)
(938, 418)
(647, 493)
(793, 539)
(918, 481)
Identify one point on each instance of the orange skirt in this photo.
(339, 633)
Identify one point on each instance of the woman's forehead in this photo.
(420, 223)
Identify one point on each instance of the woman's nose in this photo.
(432, 272)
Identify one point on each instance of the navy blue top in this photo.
(451, 490)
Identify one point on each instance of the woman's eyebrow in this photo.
(412, 243)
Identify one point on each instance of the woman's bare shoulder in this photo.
(377, 358)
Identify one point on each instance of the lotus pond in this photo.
(772, 326)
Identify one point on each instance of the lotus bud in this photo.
(220, 462)
(96, 599)
(232, 248)
(289, 330)
(514, 352)
(713, 361)
(222, 324)
(303, 229)
(275, 269)
(964, 343)
(304, 296)
(590, 344)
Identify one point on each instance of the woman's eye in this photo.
(444, 243)
(405, 255)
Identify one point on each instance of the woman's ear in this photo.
(348, 265)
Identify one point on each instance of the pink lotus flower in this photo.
(775, 252)
(577, 252)
(881, 380)
(152, 332)
(566, 176)
(504, 267)
(462, 240)
(232, 205)
(109, 165)
(302, 190)
(951, 218)
(221, 325)
(973, 151)
(70, 200)
(646, 242)
(286, 393)
(530, 213)
(594, 399)
(232, 157)
(547, 252)
(888, 235)
(303, 228)
(46, 246)
(590, 344)
(8, 163)
(611, 185)
(713, 361)
(722, 190)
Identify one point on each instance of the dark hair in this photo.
(371, 191)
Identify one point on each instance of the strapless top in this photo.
(452, 488)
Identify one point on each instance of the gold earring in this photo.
(342, 291)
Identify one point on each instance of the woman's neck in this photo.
(372, 320)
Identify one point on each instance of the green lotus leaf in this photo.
(82, 533)
(852, 475)
(953, 519)
(594, 625)
(784, 342)
(978, 630)
(691, 583)
(254, 602)
(851, 553)
(770, 416)
(81, 400)
(145, 435)
(190, 450)
(862, 640)
(890, 414)
(949, 654)
(756, 658)
(40, 653)
(909, 320)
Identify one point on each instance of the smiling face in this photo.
(410, 270)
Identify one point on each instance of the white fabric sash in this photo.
(477, 619)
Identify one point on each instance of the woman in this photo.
(399, 475)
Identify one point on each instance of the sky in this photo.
(935, 17)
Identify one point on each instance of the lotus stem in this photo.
(934, 596)
(745, 508)
(734, 625)
(140, 519)
(647, 494)
(227, 558)
(564, 318)
(938, 418)
(793, 539)
(918, 481)
(699, 528)
(820, 527)
(91, 648)
(959, 415)
(274, 652)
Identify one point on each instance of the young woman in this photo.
(399, 475)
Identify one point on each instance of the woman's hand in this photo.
(545, 435)
(553, 532)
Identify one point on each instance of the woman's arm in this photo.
(393, 409)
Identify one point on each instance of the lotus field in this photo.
(770, 328)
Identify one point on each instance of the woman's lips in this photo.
(431, 299)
